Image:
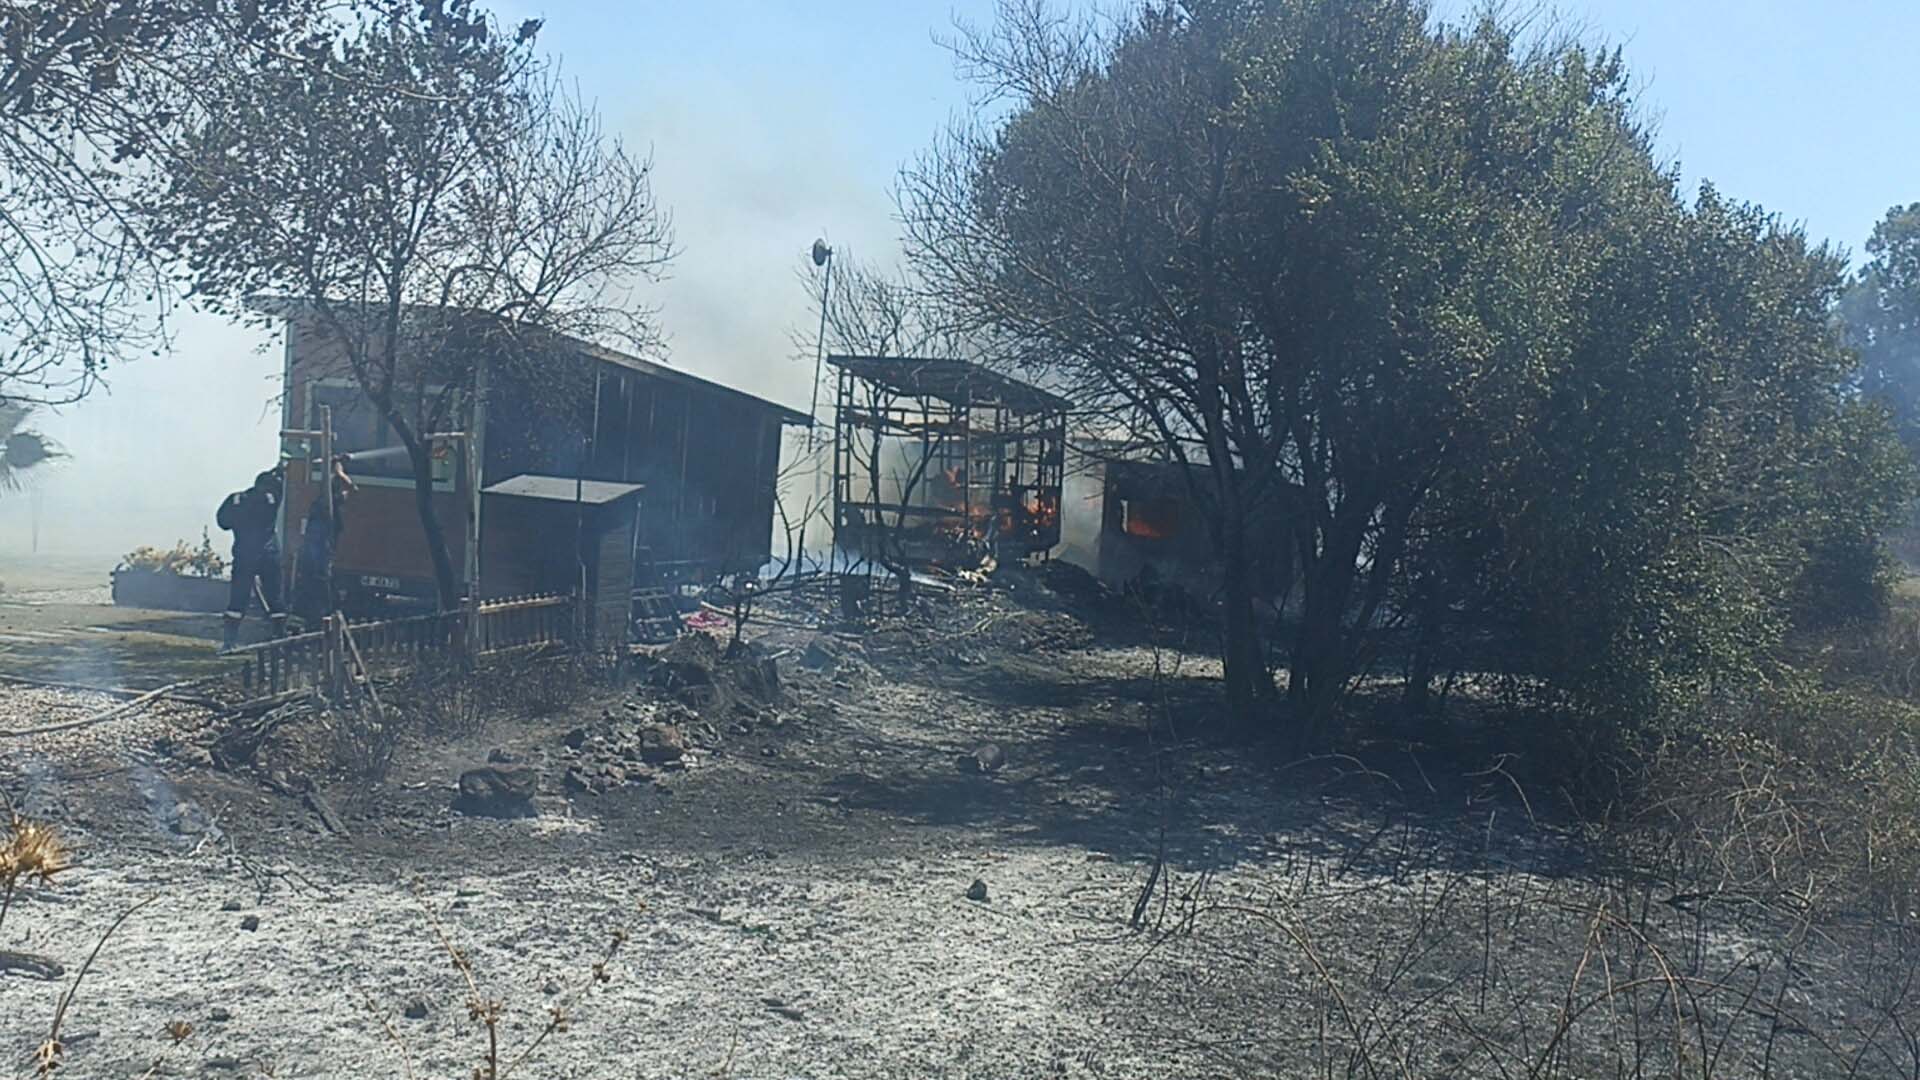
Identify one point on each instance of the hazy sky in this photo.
(771, 123)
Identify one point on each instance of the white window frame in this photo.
(449, 485)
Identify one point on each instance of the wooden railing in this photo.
(342, 653)
(523, 622)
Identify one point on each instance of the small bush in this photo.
(1808, 792)
(183, 560)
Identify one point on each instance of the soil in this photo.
(840, 879)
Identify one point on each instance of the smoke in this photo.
(171, 815)
(754, 155)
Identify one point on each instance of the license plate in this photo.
(372, 582)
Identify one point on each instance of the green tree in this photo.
(21, 449)
(1429, 288)
(1881, 312)
(91, 91)
(423, 196)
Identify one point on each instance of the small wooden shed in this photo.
(558, 534)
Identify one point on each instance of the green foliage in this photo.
(413, 191)
(1433, 287)
(21, 449)
(1881, 312)
(91, 93)
(182, 559)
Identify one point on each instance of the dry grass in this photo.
(487, 1012)
(32, 850)
(1501, 974)
(1807, 792)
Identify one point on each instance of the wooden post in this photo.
(469, 630)
(326, 481)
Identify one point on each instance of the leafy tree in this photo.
(1881, 311)
(21, 449)
(422, 196)
(90, 91)
(1429, 288)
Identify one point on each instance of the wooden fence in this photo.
(524, 622)
(342, 653)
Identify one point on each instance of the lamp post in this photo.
(822, 256)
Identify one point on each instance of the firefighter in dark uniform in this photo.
(319, 538)
(253, 517)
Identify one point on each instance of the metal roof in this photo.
(955, 382)
(563, 489)
(286, 307)
(674, 374)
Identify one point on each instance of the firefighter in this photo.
(319, 536)
(253, 517)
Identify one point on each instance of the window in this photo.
(1150, 519)
(360, 430)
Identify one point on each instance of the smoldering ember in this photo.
(1339, 539)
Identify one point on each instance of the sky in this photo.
(772, 123)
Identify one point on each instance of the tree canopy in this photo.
(1430, 287)
(421, 191)
(91, 92)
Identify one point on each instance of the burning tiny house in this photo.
(939, 461)
(1132, 519)
(592, 466)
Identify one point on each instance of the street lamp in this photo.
(822, 256)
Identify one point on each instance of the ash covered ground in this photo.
(995, 838)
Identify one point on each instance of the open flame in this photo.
(1149, 519)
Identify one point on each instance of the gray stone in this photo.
(661, 743)
(989, 758)
(503, 791)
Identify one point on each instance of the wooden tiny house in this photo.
(673, 475)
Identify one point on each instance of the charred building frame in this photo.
(936, 459)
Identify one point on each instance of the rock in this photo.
(689, 661)
(416, 1009)
(662, 743)
(977, 892)
(219, 1015)
(231, 905)
(575, 782)
(575, 739)
(193, 755)
(759, 676)
(988, 758)
(503, 791)
(821, 654)
(187, 819)
(250, 923)
(502, 756)
(782, 1008)
(615, 775)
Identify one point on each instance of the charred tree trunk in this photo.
(1423, 659)
(421, 456)
(1248, 681)
(1317, 671)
